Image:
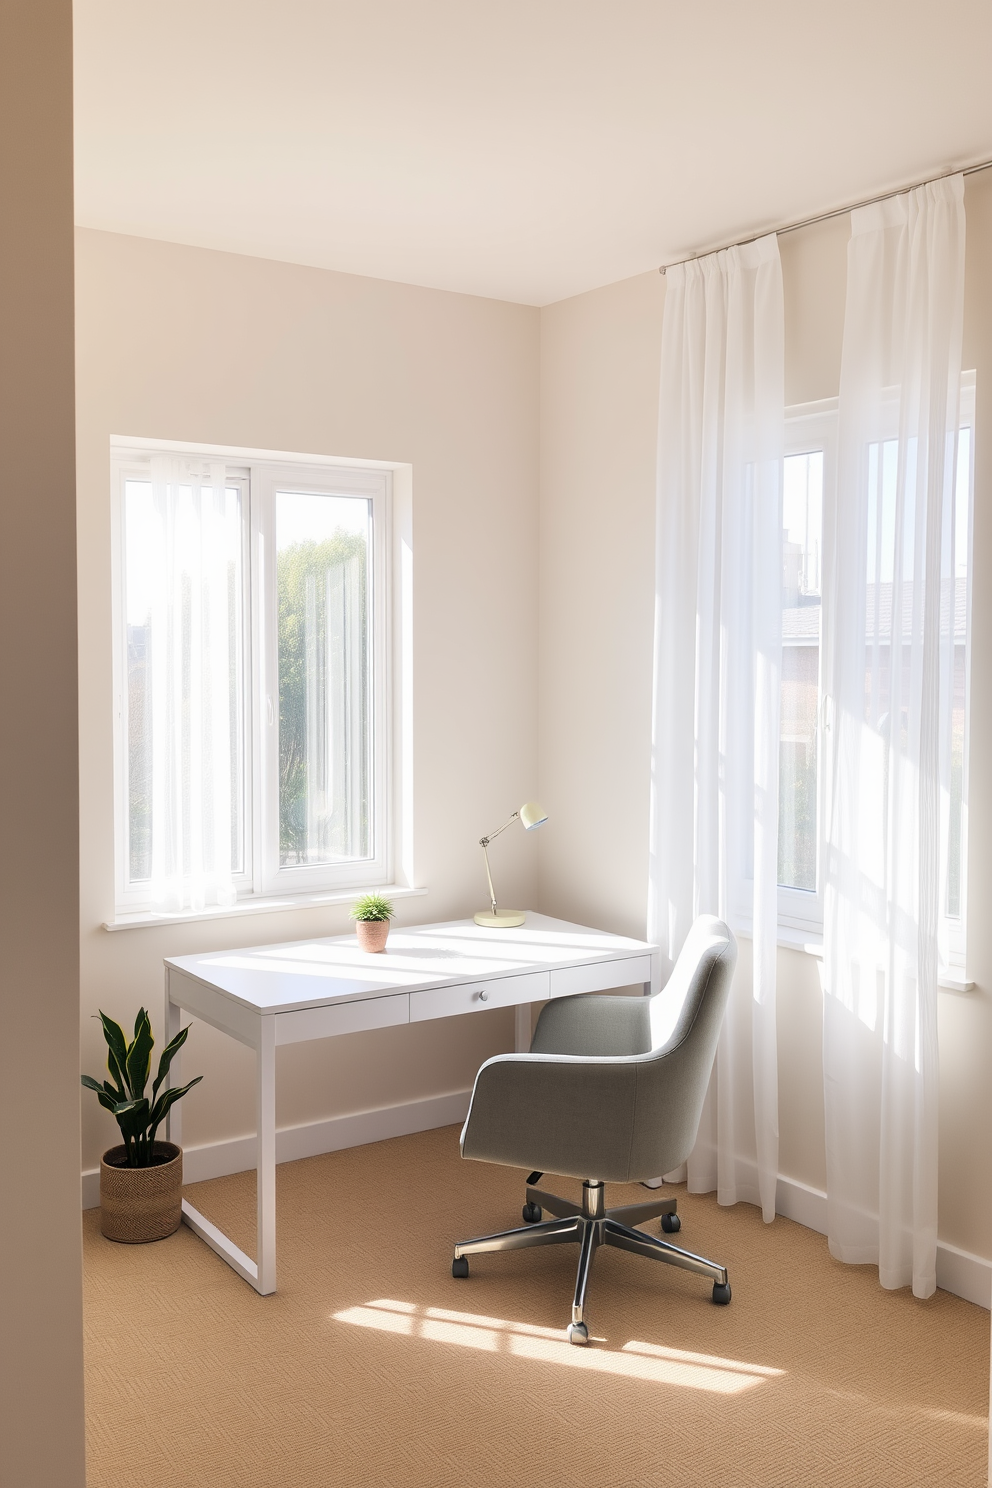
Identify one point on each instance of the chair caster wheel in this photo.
(671, 1224)
(532, 1213)
(578, 1333)
(459, 1267)
(721, 1294)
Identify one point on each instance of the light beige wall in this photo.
(187, 344)
(41, 1356)
(599, 403)
(600, 362)
(814, 278)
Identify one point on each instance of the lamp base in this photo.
(504, 921)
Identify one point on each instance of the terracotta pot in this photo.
(141, 1204)
(372, 934)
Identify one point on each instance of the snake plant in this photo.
(138, 1117)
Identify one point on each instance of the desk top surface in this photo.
(312, 973)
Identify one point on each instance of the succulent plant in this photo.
(372, 907)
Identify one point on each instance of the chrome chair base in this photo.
(591, 1225)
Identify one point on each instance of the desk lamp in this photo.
(531, 816)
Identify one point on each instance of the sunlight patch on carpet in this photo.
(645, 1361)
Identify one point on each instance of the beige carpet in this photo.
(371, 1365)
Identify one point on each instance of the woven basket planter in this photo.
(372, 934)
(141, 1204)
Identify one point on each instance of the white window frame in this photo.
(810, 427)
(955, 927)
(374, 485)
(813, 426)
(129, 464)
(259, 474)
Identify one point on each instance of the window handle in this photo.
(269, 712)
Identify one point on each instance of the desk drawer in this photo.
(342, 1017)
(601, 976)
(474, 997)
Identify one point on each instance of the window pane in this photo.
(962, 515)
(185, 693)
(801, 547)
(893, 618)
(323, 546)
(139, 572)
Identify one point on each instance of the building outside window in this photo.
(810, 459)
(801, 608)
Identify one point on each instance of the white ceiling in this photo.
(521, 149)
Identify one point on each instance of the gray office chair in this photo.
(611, 1092)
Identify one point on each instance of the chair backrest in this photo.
(685, 1019)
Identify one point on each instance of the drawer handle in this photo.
(483, 996)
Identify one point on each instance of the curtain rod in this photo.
(966, 170)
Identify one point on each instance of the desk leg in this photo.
(522, 1027)
(260, 1274)
(266, 1181)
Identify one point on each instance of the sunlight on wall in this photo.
(646, 1361)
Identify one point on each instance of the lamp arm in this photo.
(484, 844)
(485, 841)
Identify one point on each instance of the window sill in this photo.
(142, 919)
(811, 944)
(789, 937)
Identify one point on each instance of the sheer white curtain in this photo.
(714, 808)
(194, 721)
(888, 662)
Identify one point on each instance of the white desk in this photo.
(309, 989)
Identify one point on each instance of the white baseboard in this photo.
(218, 1159)
(968, 1276)
(958, 1271)
(807, 1206)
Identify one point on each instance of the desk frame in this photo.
(260, 1030)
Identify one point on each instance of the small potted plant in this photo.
(371, 915)
(141, 1180)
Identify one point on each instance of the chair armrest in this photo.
(559, 1113)
(598, 1026)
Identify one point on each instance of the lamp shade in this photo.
(532, 815)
